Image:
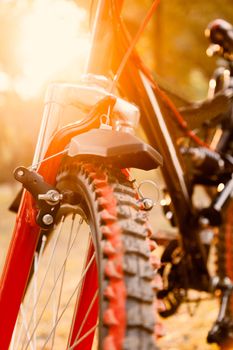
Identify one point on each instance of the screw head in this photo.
(214, 282)
(203, 221)
(227, 282)
(47, 219)
(20, 172)
(147, 203)
(55, 195)
(221, 163)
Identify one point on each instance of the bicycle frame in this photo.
(156, 123)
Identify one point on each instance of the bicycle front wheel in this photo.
(91, 283)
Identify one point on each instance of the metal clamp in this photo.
(47, 197)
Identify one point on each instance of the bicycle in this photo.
(135, 84)
(79, 180)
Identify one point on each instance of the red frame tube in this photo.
(87, 293)
(25, 236)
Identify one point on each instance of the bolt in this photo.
(147, 204)
(51, 197)
(55, 196)
(47, 219)
(221, 163)
(204, 221)
(169, 215)
(227, 282)
(20, 172)
(214, 282)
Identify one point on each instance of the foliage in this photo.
(175, 45)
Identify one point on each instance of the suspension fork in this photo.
(16, 270)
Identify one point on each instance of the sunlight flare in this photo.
(54, 43)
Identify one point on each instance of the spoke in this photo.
(13, 339)
(85, 318)
(26, 326)
(91, 330)
(54, 299)
(62, 282)
(70, 298)
(55, 283)
(44, 238)
(35, 280)
(46, 272)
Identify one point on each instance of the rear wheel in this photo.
(92, 281)
(222, 332)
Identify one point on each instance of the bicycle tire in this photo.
(107, 201)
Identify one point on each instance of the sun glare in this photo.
(54, 43)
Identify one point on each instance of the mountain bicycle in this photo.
(79, 273)
(81, 165)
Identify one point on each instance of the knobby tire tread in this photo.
(103, 185)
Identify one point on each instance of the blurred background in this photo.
(48, 40)
(42, 41)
